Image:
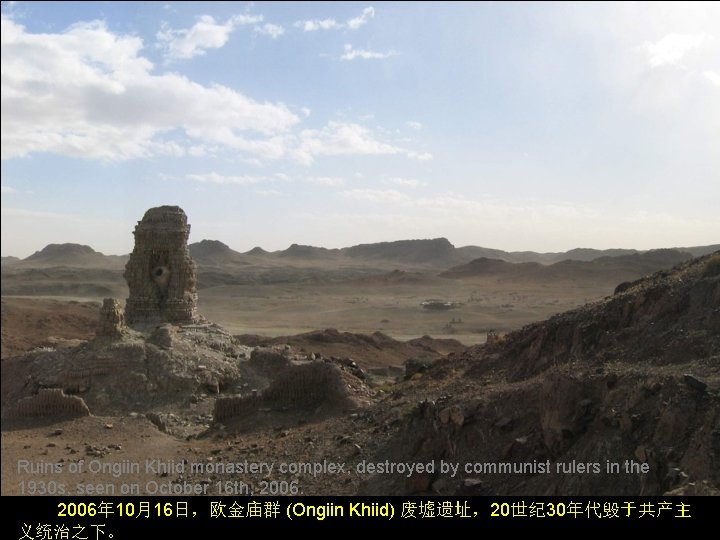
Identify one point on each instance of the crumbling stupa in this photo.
(160, 272)
(112, 321)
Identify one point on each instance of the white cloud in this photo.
(376, 195)
(339, 138)
(327, 181)
(7, 189)
(87, 92)
(269, 29)
(420, 156)
(674, 93)
(405, 182)
(204, 34)
(713, 77)
(306, 111)
(356, 22)
(245, 19)
(672, 48)
(215, 178)
(313, 25)
(352, 54)
(414, 124)
(198, 150)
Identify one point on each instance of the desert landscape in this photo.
(343, 249)
(402, 352)
(361, 289)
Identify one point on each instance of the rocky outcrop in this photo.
(669, 317)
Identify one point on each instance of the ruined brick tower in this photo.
(160, 272)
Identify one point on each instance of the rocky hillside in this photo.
(635, 377)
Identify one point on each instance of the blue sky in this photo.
(519, 126)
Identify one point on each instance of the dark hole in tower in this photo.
(160, 275)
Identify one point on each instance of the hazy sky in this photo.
(515, 126)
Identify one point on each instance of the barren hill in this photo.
(299, 251)
(633, 377)
(60, 252)
(438, 252)
(699, 251)
(257, 251)
(214, 252)
(576, 254)
(73, 255)
(492, 267)
(608, 268)
(209, 248)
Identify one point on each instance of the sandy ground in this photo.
(110, 455)
(31, 322)
(395, 310)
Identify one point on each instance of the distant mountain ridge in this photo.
(79, 270)
(614, 268)
(410, 251)
(438, 253)
(307, 252)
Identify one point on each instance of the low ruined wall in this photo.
(234, 407)
(49, 402)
